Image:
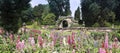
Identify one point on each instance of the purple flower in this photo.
(20, 45)
(31, 41)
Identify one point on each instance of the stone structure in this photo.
(65, 21)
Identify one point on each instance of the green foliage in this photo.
(116, 34)
(7, 46)
(107, 24)
(27, 16)
(34, 25)
(117, 12)
(96, 25)
(11, 12)
(1, 40)
(40, 12)
(97, 35)
(59, 7)
(77, 14)
(97, 11)
(49, 19)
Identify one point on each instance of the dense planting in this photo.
(54, 41)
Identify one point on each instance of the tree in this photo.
(59, 7)
(95, 10)
(27, 16)
(39, 11)
(117, 12)
(99, 11)
(86, 14)
(49, 19)
(11, 13)
(77, 15)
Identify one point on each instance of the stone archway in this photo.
(64, 24)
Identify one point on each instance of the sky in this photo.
(73, 4)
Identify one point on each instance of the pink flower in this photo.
(102, 50)
(54, 38)
(18, 39)
(73, 33)
(39, 32)
(31, 41)
(36, 31)
(106, 41)
(115, 39)
(61, 40)
(110, 46)
(40, 41)
(73, 37)
(11, 37)
(71, 40)
(20, 45)
(115, 43)
(1, 31)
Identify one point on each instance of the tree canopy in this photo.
(11, 13)
(59, 7)
(100, 11)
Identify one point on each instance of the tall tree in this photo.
(27, 16)
(77, 15)
(11, 13)
(60, 7)
(117, 11)
(86, 14)
(100, 11)
(40, 11)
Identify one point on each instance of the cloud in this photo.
(74, 5)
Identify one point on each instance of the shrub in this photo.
(107, 24)
(96, 25)
(49, 19)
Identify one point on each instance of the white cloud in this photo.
(74, 5)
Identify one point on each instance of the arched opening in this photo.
(65, 24)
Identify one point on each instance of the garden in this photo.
(60, 41)
(60, 26)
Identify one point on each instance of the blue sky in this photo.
(73, 4)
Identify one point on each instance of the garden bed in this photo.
(60, 41)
